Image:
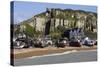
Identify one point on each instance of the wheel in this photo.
(22, 45)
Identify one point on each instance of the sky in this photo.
(26, 10)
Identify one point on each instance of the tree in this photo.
(29, 30)
(61, 28)
(17, 30)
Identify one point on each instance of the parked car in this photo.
(74, 43)
(37, 43)
(42, 42)
(48, 41)
(61, 42)
(23, 43)
(88, 42)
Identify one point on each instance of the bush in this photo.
(61, 28)
(91, 35)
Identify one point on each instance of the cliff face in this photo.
(65, 17)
